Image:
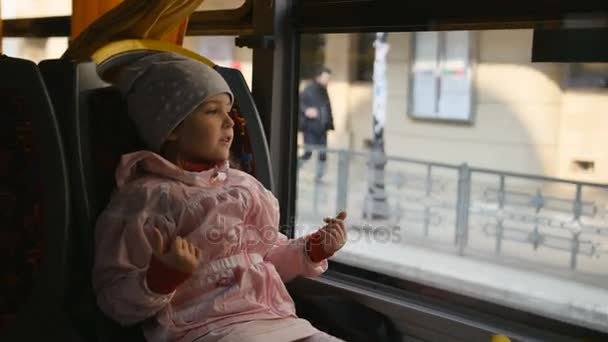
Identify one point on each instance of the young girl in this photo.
(188, 246)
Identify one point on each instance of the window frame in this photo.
(471, 70)
(470, 311)
(318, 16)
(222, 22)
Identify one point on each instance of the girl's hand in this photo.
(333, 234)
(181, 256)
(327, 240)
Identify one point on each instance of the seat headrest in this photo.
(112, 134)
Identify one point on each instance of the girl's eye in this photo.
(211, 111)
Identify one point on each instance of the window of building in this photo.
(364, 57)
(441, 76)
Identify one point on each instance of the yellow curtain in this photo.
(84, 12)
(128, 19)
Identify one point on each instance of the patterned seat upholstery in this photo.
(34, 220)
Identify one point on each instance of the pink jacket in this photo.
(229, 215)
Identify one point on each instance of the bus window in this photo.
(222, 51)
(35, 8)
(34, 49)
(462, 165)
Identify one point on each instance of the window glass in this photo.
(13, 9)
(222, 51)
(508, 209)
(34, 49)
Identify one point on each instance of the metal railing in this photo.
(506, 207)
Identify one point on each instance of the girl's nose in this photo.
(228, 122)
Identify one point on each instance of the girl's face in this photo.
(206, 134)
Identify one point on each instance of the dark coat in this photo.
(315, 95)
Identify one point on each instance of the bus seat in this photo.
(34, 220)
(94, 117)
(244, 145)
(98, 132)
(93, 114)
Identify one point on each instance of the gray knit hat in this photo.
(162, 89)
